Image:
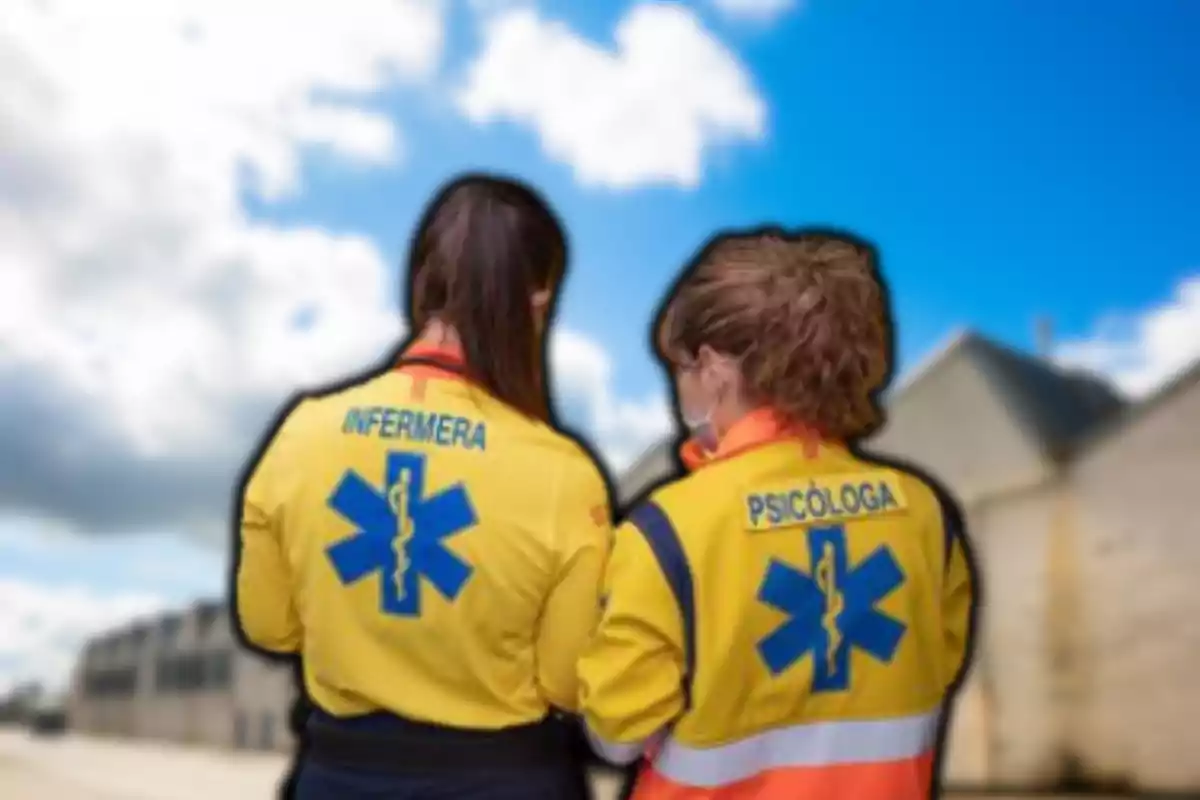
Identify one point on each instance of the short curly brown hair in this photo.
(806, 316)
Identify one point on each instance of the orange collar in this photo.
(758, 428)
(443, 361)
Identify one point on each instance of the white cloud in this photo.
(758, 11)
(42, 627)
(645, 114)
(1141, 352)
(491, 7)
(147, 324)
(625, 428)
(59, 588)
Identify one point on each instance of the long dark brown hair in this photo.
(484, 246)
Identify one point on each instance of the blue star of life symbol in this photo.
(401, 534)
(831, 611)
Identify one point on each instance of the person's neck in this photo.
(725, 419)
(437, 333)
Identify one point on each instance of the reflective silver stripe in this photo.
(814, 745)
(614, 752)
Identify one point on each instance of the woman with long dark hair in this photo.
(425, 539)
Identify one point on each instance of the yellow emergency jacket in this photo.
(428, 550)
(782, 623)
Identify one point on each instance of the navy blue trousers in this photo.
(320, 782)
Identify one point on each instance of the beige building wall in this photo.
(143, 707)
(1135, 537)
(966, 761)
(211, 708)
(263, 697)
(949, 419)
(166, 711)
(107, 714)
(1015, 644)
(1089, 636)
(81, 710)
(256, 698)
(1088, 648)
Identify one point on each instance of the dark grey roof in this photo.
(1186, 379)
(1060, 408)
(207, 612)
(169, 625)
(108, 642)
(656, 464)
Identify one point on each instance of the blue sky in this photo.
(1011, 159)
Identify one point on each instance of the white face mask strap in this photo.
(694, 423)
(734, 366)
(705, 418)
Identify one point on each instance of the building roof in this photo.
(207, 612)
(1058, 408)
(132, 635)
(1186, 379)
(657, 463)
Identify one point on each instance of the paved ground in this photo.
(77, 768)
(80, 768)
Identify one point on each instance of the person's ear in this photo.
(540, 301)
(715, 370)
(720, 365)
(706, 358)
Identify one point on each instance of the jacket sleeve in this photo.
(631, 675)
(958, 595)
(263, 588)
(582, 530)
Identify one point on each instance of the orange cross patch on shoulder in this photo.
(600, 514)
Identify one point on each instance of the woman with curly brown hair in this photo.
(787, 620)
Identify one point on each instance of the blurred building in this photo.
(1080, 508)
(20, 702)
(182, 678)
